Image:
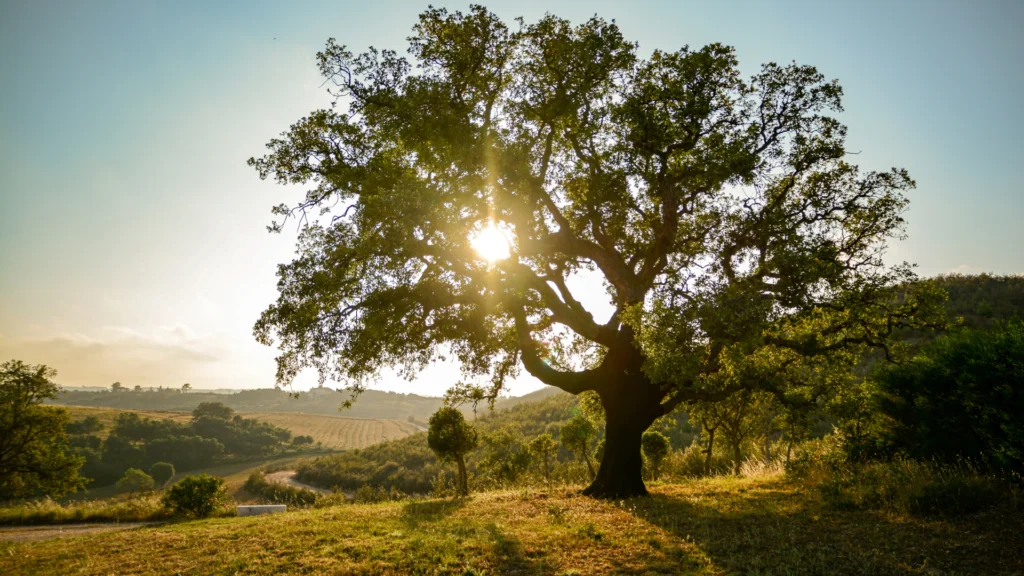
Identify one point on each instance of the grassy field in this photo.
(334, 432)
(720, 526)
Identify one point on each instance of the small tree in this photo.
(545, 449)
(185, 388)
(116, 387)
(86, 425)
(576, 435)
(34, 453)
(161, 472)
(655, 447)
(196, 496)
(213, 410)
(451, 438)
(300, 441)
(135, 480)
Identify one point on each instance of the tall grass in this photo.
(132, 509)
(900, 486)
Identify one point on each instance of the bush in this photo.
(135, 480)
(901, 486)
(655, 447)
(961, 397)
(161, 472)
(196, 496)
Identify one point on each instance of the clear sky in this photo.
(132, 234)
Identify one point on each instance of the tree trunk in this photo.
(463, 479)
(586, 458)
(736, 457)
(628, 411)
(711, 447)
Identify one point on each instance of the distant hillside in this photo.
(371, 404)
(326, 401)
(983, 299)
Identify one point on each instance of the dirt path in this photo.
(34, 533)
(287, 477)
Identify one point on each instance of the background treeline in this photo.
(214, 434)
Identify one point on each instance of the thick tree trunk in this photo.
(737, 456)
(630, 408)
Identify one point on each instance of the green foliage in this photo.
(87, 425)
(196, 496)
(576, 435)
(901, 486)
(302, 441)
(35, 458)
(740, 248)
(655, 448)
(213, 410)
(135, 480)
(506, 456)
(161, 472)
(451, 438)
(545, 450)
(961, 396)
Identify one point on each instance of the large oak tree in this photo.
(740, 248)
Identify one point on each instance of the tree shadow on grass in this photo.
(415, 513)
(510, 556)
(774, 530)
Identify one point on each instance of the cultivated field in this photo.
(333, 432)
(337, 432)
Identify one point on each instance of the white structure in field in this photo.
(261, 509)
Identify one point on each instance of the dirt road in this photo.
(288, 477)
(34, 533)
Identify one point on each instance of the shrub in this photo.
(196, 496)
(135, 480)
(655, 447)
(901, 486)
(961, 397)
(161, 472)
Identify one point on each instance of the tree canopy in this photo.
(34, 454)
(452, 193)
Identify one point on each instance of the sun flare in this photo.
(491, 244)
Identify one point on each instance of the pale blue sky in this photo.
(132, 241)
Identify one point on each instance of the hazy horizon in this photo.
(132, 233)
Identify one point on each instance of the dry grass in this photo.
(762, 525)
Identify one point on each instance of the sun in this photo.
(490, 243)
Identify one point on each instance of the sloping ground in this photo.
(334, 432)
(337, 432)
(37, 533)
(107, 416)
(720, 526)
